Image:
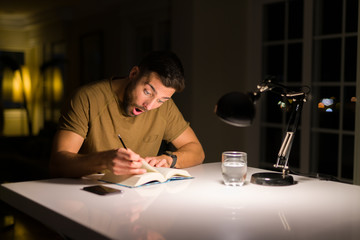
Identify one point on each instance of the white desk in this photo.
(200, 208)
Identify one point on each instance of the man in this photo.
(139, 108)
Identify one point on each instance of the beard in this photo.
(128, 99)
(131, 109)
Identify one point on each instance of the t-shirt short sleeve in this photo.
(75, 114)
(176, 123)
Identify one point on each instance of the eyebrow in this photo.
(152, 87)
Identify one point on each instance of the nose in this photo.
(150, 104)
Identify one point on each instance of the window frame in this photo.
(255, 68)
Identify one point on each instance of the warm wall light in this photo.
(17, 89)
(17, 85)
(52, 72)
(56, 85)
(22, 85)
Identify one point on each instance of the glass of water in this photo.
(234, 167)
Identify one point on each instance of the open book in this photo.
(152, 176)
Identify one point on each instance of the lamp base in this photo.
(272, 179)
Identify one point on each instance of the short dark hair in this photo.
(167, 65)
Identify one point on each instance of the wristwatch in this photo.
(173, 156)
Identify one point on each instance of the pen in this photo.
(122, 142)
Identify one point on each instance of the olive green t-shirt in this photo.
(95, 114)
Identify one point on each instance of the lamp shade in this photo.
(236, 109)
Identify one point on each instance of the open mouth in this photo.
(137, 111)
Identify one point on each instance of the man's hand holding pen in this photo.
(125, 161)
(158, 161)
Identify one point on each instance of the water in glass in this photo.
(234, 168)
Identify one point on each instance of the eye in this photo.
(147, 92)
(160, 101)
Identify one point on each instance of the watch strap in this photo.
(173, 156)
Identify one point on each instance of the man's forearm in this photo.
(67, 164)
(191, 154)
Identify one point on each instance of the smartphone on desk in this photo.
(102, 190)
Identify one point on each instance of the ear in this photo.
(134, 72)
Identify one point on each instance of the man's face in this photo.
(149, 93)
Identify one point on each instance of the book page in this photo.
(137, 180)
(133, 180)
(171, 172)
(166, 172)
(148, 167)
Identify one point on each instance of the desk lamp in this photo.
(238, 109)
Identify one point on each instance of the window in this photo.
(15, 95)
(322, 54)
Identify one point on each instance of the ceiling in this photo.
(17, 14)
(28, 8)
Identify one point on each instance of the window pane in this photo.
(347, 157)
(326, 107)
(352, 15)
(327, 60)
(328, 16)
(274, 61)
(271, 146)
(296, 14)
(325, 153)
(272, 111)
(294, 71)
(350, 59)
(274, 21)
(349, 108)
(273, 140)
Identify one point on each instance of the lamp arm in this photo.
(298, 97)
(284, 152)
(270, 85)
